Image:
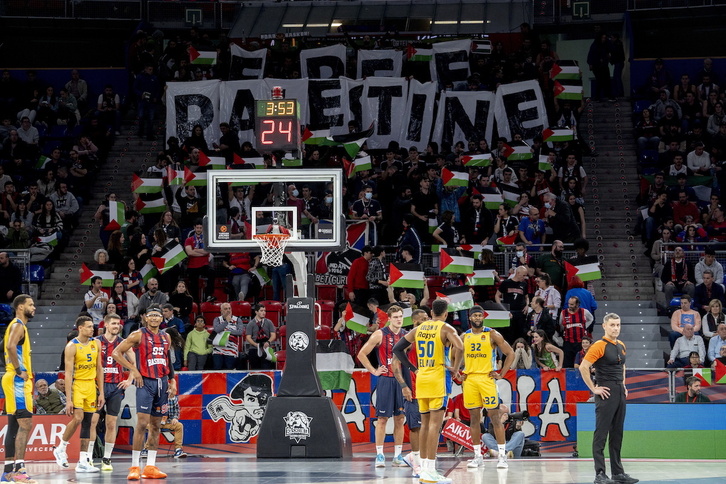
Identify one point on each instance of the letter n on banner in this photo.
(189, 104)
(463, 116)
(520, 109)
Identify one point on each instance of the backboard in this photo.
(265, 199)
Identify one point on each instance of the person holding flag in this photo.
(389, 397)
(479, 381)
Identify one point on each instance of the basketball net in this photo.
(272, 244)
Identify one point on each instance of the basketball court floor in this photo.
(213, 465)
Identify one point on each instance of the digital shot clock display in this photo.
(277, 125)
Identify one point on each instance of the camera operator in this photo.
(512, 433)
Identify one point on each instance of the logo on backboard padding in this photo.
(297, 426)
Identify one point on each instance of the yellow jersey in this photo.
(430, 352)
(84, 365)
(22, 349)
(479, 356)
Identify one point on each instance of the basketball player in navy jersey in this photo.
(154, 380)
(114, 383)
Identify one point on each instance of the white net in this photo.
(272, 247)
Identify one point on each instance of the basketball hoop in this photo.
(272, 246)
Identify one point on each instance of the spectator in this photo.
(66, 205)
(18, 236)
(152, 296)
(196, 140)
(707, 291)
(366, 208)
(513, 292)
(693, 392)
(229, 330)
(513, 435)
(684, 345)
(96, 300)
(678, 276)
(228, 143)
(261, 334)
(573, 169)
(586, 343)
(598, 59)
(576, 288)
(109, 109)
(647, 132)
(171, 320)
(171, 422)
(131, 278)
(717, 225)
(197, 346)
(378, 275)
(685, 316)
(446, 233)
(100, 261)
(699, 160)
(539, 318)
(553, 265)
(127, 305)
(659, 211)
(11, 279)
(200, 263)
(79, 89)
(575, 322)
(547, 355)
(522, 355)
(102, 217)
(182, 301)
(532, 229)
(717, 342)
(240, 265)
(560, 219)
(549, 294)
(49, 400)
(67, 109)
(506, 224)
(356, 289)
(424, 205)
(409, 242)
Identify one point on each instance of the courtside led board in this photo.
(305, 202)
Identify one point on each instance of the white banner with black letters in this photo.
(237, 106)
(246, 64)
(323, 63)
(450, 62)
(379, 63)
(293, 89)
(418, 117)
(382, 97)
(520, 109)
(192, 103)
(464, 116)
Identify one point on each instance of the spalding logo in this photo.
(298, 305)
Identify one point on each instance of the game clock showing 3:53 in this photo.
(277, 125)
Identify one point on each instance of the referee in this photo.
(608, 357)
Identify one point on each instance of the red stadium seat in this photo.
(323, 332)
(282, 336)
(434, 283)
(281, 358)
(326, 315)
(241, 309)
(210, 310)
(194, 313)
(327, 292)
(274, 311)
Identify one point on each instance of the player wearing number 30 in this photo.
(480, 381)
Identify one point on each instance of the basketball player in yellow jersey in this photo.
(18, 390)
(430, 338)
(84, 378)
(480, 381)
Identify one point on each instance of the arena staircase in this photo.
(61, 295)
(626, 287)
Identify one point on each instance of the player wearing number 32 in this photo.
(480, 382)
(155, 384)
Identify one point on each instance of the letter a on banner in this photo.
(463, 116)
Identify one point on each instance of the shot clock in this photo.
(277, 125)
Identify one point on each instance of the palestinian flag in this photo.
(51, 239)
(355, 321)
(147, 272)
(564, 69)
(510, 194)
(116, 216)
(475, 249)
(481, 277)
(352, 142)
(87, 274)
(174, 177)
(410, 276)
(484, 159)
(289, 162)
(450, 260)
(317, 137)
(257, 161)
(544, 163)
(586, 272)
(496, 319)
(454, 178)
(417, 54)
(720, 373)
(507, 240)
(362, 163)
(704, 375)
(433, 223)
(146, 185)
(517, 151)
(567, 91)
(558, 134)
(150, 206)
(381, 318)
(261, 274)
(194, 179)
(481, 46)
(42, 161)
(173, 256)
(205, 57)
(334, 366)
(492, 199)
(214, 163)
(459, 298)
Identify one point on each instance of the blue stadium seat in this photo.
(37, 273)
(639, 106)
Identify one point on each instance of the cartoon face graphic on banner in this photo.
(245, 406)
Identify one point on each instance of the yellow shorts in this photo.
(18, 395)
(426, 405)
(85, 395)
(480, 391)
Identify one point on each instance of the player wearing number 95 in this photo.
(480, 381)
(154, 379)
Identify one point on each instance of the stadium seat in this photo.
(210, 310)
(194, 313)
(37, 273)
(326, 315)
(639, 106)
(281, 357)
(434, 283)
(327, 292)
(281, 336)
(323, 332)
(241, 309)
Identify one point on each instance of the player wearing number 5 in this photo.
(84, 378)
(155, 384)
(430, 340)
(480, 381)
